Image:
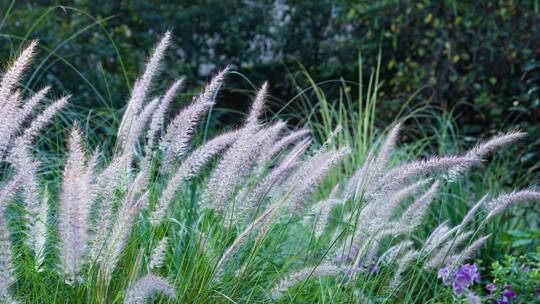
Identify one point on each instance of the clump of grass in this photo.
(381, 213)
(110, 219)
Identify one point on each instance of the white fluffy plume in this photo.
(75, 201)
(146, 287)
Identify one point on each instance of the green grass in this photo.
(287, 245)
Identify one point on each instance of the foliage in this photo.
(520, 274)
(511, 280)
(477, 59)
(129, 210)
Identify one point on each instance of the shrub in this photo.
(478, 58)
(265, 176)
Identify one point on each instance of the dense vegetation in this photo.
(477, 58)
(322, 192)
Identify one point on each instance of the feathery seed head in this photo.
(504, 201)
(403, 263)
(237, 164)
(469, 251)
(257, 107)
(314, 171)
(15, 72)
(387, 147)
(141, 88)
(43, 119)
(481, 150)
(180, 129)
(158, 117)
(7, 277)
(440, 256)
(75, 200)
(413, 215)
(158, 254)
(397, 176)
(30, 104)
(146, 287)
(190, 167)
(299, 276)
(283, 143)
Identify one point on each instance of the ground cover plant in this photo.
(259, 213)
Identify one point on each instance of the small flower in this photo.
(466, 275)
(458, 288)
(507, 286)
(525, 268)
(491, 287)
(509, 294)
(471, 272)
(463, 279)
(444, 274)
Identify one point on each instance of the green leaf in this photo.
(519, 243)
(518, 234)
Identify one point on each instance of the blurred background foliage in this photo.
(477, 59)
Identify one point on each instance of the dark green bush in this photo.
(477, 58)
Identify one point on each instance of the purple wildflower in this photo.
(509, 294)
(464, 277)
(471, 272)
(525, 268)
(507, 286)
(458, 288)
(491, 287)
(444, 274)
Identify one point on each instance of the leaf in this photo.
(520, 243)
(518, 234)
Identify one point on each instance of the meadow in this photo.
(332, 209)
